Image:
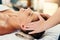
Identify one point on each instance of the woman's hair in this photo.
(36, 35)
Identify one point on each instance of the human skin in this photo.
(33, 25)
(14, 20)
(4, 26)
(11, 21)
(51, 22)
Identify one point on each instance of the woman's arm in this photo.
(52, 21)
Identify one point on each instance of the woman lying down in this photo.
(11, 21)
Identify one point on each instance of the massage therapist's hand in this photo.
(35, 26)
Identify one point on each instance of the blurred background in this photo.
(43, 6)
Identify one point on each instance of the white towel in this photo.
(3, 8)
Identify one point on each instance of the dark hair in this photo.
(36, 35)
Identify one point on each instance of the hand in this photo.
(45, 16)
(35, 26)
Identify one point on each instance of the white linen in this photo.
(3, 7)
(51, 34)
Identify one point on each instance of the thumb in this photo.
(40, 17)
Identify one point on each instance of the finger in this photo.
(42, 14)
(45, 15)
(41, 18)
(33, 32)
(29, 24)
(48, 16)
(28, 28)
